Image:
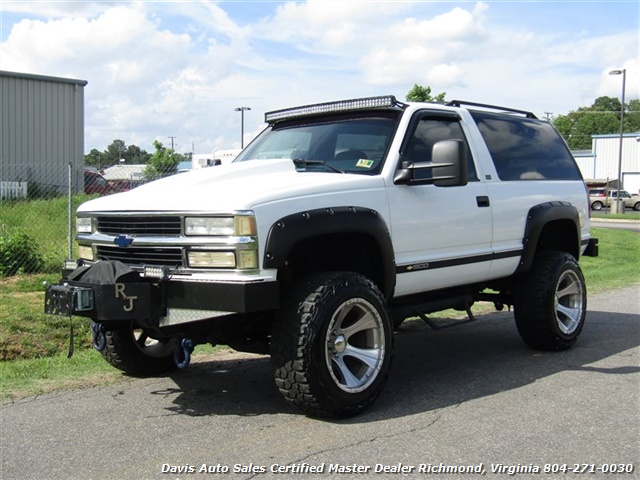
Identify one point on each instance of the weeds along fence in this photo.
(37, 210)
(36, 217)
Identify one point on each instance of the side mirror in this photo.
(448, 167)
(449, 158)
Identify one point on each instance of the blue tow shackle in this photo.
(182, 355)
(99, 337)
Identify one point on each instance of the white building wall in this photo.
(587, 165)
(606, 149)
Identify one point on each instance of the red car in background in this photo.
(96, 183)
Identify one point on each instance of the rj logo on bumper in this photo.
(120, 292)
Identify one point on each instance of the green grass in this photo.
(618, 263)
(34, 346)
(46, 222)
(25, 331)
(20, 378)
(628, 215)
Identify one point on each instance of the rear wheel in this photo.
(134, 351)
(332, 345)
(551, 302)
(596, 205)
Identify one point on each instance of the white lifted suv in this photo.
(339, 221)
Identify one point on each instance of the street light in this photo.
(241, 110)
(622, 72)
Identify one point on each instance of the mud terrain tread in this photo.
(297, 326)
(534, 309)
(121, 352)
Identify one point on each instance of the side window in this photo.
(526, 148)
(428, 131)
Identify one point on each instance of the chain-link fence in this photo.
(37, 209)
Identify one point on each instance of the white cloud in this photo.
(159, 69)
(611, 85)
(55, 9)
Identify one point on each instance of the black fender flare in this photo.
(537, 218)
(288, 231)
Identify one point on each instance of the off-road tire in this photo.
(332, 344)
(550, 302)
(134, 352)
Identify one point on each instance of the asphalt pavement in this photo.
(462, 403)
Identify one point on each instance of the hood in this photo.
(226, 188)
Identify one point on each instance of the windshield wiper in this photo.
(299, 162)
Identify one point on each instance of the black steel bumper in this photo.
(149, 300)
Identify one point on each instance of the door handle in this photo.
(483, 201)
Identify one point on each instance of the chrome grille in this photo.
(141, 255)
(151, 225)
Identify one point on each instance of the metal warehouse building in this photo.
(41, 133)
(601, 162)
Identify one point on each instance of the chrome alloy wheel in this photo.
(355, 345)
(569, 302)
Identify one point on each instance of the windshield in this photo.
(347, 145)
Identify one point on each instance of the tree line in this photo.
(161, 163)
(576, 127)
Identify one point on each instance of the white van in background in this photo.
(217, 157)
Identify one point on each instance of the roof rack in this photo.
(459, 103)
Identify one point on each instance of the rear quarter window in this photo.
(526, 148)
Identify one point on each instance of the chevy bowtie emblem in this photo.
(123, 241)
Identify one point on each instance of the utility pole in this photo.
(548, 115)
(172, 138)
(619, 203)
(241, 110)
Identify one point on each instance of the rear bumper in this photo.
(592, 248)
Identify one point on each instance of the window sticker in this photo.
(364, 163)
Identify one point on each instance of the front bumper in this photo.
(149, 300)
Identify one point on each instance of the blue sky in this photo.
(179, 68)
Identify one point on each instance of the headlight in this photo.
(240, 225)
(84, 225)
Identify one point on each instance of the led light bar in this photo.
(70, 264)
(153, 271)
(386, 101)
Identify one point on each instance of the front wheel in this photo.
(551, 302)
(135, 352)
(331, 345)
